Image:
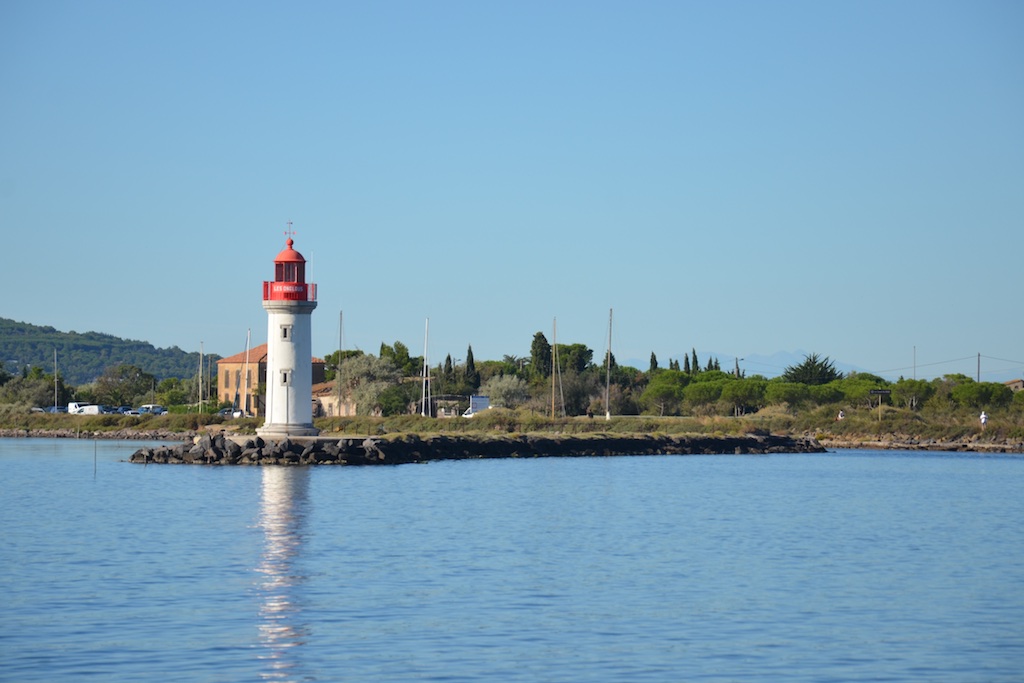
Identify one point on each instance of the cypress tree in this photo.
(540, 356)
(654, 363)
(472, 376)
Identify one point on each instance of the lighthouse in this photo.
(289, 301)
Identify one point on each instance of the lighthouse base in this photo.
(281, 431)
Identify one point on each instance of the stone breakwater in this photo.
(410, 448)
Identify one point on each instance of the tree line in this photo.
(565, 379)
(122, 384)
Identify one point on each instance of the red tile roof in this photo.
(257, 354)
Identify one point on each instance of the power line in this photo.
(1004, 360)
(955, 360)
(925, 365)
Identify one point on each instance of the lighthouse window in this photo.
(286, 332)
(285, 376)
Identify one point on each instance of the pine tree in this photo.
(813, 370)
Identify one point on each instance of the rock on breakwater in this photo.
(412, 448)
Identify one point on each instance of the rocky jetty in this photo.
(411, 448)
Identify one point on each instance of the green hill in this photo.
(82, 357)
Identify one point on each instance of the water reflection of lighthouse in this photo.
(282, 516)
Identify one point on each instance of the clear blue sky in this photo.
(740, 177)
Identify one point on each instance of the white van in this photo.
(476, 404)
(83, 408)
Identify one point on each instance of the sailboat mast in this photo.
(425, 398)
(200, 377)
(554, 346)
(608, 370)
(246, 401)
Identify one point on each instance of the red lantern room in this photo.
(289, 278)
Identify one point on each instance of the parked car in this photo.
(152, 409)
(55, 409)
(132, 411)
(123, 409)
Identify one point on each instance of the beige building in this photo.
(326, 402)
(244, 373)
(1015, 384)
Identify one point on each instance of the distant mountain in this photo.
(82, 357)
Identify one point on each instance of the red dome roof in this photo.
(289, 255)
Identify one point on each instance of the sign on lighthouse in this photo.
(289, 301)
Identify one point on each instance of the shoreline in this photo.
(892, 442)
(910, 444)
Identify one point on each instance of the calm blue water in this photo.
(855, 565)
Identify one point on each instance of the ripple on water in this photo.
(854, 566)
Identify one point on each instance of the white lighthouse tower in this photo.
(289, 302)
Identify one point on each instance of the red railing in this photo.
(288, 291)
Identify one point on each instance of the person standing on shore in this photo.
(984, 419)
